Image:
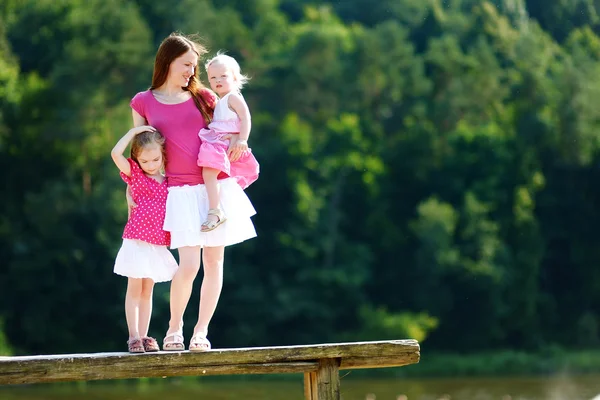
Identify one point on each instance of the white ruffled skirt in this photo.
(138, 259)
(187, 209)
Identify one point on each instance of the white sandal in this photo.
(200, 342)
(176, 343)
(209, 225)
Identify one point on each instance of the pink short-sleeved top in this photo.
(147, 219)
(179, 124)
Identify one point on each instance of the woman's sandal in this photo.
(135, 346)
(211, 224)
(150, 344)
(176, 342)
(199, 342)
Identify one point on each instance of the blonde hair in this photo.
(231, 64)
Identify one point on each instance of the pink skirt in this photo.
(213, 154)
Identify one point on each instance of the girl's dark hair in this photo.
(144, 139)
(174, 46)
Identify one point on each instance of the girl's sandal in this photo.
(150, 344)
(135, 346)
(211, 224)
(199, 342)
(176, 342)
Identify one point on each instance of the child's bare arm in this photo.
(119, 149)
(138, 120)
(237, 103)
(239, 106)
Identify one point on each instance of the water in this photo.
(536, 388)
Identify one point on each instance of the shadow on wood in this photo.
(319, 363)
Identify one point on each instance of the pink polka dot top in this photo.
(147, 219)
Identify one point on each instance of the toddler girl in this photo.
(231, 117)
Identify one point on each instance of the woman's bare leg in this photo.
(210, 290)
(181, 286)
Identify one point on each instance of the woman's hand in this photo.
(130, 203)
(236, 148)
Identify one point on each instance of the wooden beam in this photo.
(380, 362)
(256, 360)
(61, 374)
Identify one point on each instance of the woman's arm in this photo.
(138, 120)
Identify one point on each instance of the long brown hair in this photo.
(144, 139)
(174, 46)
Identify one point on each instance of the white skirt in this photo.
(138, 259)
(187, 209)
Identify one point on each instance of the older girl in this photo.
(143, 258)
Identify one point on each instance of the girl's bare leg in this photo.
(212, 189)
(132, 306)
(145, 306)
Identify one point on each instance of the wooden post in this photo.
(324, 384)
(328, 379)
(310, 386)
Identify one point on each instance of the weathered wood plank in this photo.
(328, 379)
(43, 375)
(267, 354)
(257, 360)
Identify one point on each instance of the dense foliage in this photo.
(428, 169)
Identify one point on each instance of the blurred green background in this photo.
(429, 169)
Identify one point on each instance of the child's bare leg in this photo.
(132, 306)
(145, 306)
(212, 189)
